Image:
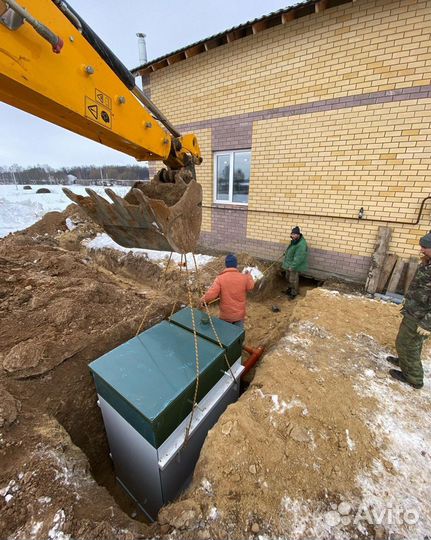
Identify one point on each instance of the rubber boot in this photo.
(398, 375)
(393, 360)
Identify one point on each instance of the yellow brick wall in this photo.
(204, 174)
(335, 162)
(332, 162)
(366, 46)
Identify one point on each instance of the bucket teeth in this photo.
(72, 196)
(101, 208)
(148, 222)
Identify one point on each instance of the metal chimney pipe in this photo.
(142, 48)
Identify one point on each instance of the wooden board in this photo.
(411, 271)
(383, 239)
(388, 266)
(396, 275)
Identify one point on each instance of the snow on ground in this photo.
(403, 499)
(20, 208)
(103, 241)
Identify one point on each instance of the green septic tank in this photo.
(150, 380)
(145, 391)
(231, 336)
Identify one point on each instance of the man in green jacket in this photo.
(295, 261)
(415, 327)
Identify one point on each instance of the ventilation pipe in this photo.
(142, 47)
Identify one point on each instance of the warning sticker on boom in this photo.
(103, 99)
(98, 113)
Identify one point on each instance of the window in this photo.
(232, 176)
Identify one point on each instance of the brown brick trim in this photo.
(244, 121)
(228, 228)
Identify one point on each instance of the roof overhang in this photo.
(283, 16)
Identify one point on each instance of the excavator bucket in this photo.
(164, 214)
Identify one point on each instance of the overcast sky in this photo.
(169, 25)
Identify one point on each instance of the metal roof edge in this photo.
(254, 26)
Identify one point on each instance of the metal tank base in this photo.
(153, 476)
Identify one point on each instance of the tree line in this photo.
(44, 174)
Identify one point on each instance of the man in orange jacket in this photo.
(231, 287)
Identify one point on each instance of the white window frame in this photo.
(231, 155)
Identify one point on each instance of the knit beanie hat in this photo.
(425, 241)
(295, 230)
(231, 261)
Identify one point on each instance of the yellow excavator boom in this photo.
(54, 66)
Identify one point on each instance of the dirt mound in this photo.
(50, 494)
(78, 228)
(128, 265)
(60, 312)
(57, 305)
(217, 265)
(50, 224)
(272, 282)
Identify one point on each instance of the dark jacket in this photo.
(418, 298)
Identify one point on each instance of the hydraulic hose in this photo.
(47, 34)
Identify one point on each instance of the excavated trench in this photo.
(69, 388)
(82, 419)
(86, 304)
(73, 398)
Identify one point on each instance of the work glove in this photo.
(422, 331)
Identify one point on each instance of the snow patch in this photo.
(213, 514)
(277, 407)
(9, 491)
(103, 241)
(44, 500)
(207, 487)
(305, 521)
(36, 528)
(55, 533)
(397, 480)
(350, 443)
(21, 208)
(70, 224)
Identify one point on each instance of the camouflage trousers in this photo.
(409, 347)
(293, 279)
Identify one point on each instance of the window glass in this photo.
(223, 174)
(241, 177)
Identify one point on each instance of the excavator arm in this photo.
(54, 66)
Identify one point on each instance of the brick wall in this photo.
(336, 108)
(365, 46)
